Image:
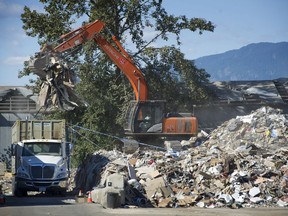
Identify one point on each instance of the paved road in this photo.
(67, 206)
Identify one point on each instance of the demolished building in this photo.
(234, 98)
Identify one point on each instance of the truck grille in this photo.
(42, 172)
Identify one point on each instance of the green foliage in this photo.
(174, 78)
(107, 91)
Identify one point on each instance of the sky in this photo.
(238, 23)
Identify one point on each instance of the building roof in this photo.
(18, 99)
(265, 91)
(6, 91)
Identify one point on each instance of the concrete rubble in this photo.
(5, 182)
(243, 163)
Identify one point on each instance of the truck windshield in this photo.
(41, 149)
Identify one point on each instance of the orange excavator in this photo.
(144, 117)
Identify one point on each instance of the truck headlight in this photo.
(23, 175)
(62, 175)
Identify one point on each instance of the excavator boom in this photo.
(92, 31)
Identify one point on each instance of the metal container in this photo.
(38, 129)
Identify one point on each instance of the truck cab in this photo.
(39, 164)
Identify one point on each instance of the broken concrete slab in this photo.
(151, 186)
(254, 191)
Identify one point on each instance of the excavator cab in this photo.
(145, 116)
(150, 118)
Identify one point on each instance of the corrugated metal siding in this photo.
(5, 136)
(6, 122)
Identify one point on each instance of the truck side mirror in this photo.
(68, 148)
(13, 149)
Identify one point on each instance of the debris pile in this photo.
(242, 164)
(6, 182)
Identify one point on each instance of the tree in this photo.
(169, 75)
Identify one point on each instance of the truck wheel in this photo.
(17, 191)
(24, 193)
(20, 193)
(62, 193)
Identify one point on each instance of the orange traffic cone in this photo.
(89, 200)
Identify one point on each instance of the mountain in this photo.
(257, 61)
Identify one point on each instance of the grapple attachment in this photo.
(57, 90)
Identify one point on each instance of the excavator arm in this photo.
(92, 31)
